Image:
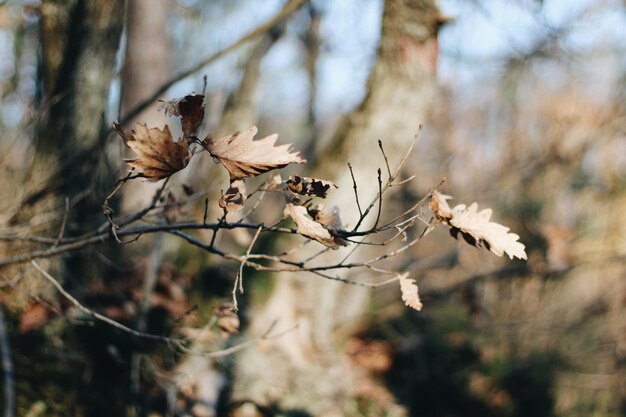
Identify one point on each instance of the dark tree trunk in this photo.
(80, 40)
(79, 43)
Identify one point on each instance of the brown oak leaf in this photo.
(308, 227)
(190, 109)
(329, 218)
(244, 157)
(234, 197)
(158, 156)
(312, 187)
(439, 206)
(475, 227)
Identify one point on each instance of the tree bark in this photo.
(80, 39)
(307, 368)
(79, 42)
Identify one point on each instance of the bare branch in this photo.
(239, 276)
(66, 213)
(285, 12)
(356, 191)
(98, 316)
(380, 145)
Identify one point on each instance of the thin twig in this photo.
(295, 248)
(354, 249)
(287, 10)
(206, 210)
(392, 222)
(66, 214)
(380, 199)
(106, 209)
(256, 203)
(233, 349)
(174, 342)
(316, 254)
(380, 145)
(221, 221)
(356, 190)
(98, 316)
(239, 276)
(389, 184)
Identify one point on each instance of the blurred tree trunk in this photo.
(79, 42)
(201, 381)
(146, 67)
(306, 369)
(147, 58)
(79, 39)
(240, 110)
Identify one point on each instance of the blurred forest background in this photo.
(523, 105)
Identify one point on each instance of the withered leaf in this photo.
(439, 206)
(227, 318)
(308, 227)
(493, 236)
(158, 155)
(229, 324)
(244, 157)
(330, 219)
(476, 228)
(312, 187)
(410, 295)
(234, 197)
(190, 109)
(33, 317)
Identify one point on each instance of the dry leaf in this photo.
(476, 228)
(234, 197)
(243, 157)
(229, 324)
(312, 187)
(327, 216)
(158, 155)
(410, 296)
(330, 219)
(494, 236)
(308, 227)
(190, 109)
(33, 317)
(439, 206)
(227, 318)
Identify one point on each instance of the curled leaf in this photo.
(312, 187)
(234, 197)
(158, 156)
(476, 228)
(244, 157)
(409, 291)
(308, 227)
(439, 206)
(190, 109)
(330, 219)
